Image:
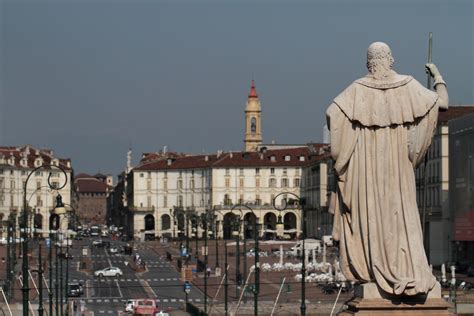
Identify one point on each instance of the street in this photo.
(107, 295)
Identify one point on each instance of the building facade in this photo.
(16, 164)
(434, 203)
(155, 191)
(92, 194)
(461, 187)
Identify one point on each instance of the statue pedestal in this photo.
(369, 300)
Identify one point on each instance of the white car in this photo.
(110, 271)
(113, 250)
(130, 306)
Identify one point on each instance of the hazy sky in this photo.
(90, 78)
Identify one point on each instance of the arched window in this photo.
(165, 222)
(253, 125)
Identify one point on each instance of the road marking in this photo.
(116, 282)
(173, 300)
(101, 312)
(99, 301)
(115, 300)
(106, 301)
(165, 300)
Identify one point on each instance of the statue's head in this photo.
(379, 59)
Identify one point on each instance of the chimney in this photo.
(231, 155)
(206, 158)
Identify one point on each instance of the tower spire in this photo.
(253, 91)
(253, 112)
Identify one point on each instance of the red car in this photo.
(145, 307)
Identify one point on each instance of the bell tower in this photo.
(253, 119)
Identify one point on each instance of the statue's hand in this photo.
(432, 70)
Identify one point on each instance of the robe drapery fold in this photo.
(378, 136)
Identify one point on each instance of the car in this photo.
(74, 290)
(145, 307)
(110, 271)
(130, 306)
(113, 250)
(98, 243)
(65, 255)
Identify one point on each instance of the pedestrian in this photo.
(208, 272)
(83, 306)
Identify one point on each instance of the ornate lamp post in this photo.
(226, 279)
(256, 229)
(301, 203)
(236, 223)
(24, 227)
(216, 238)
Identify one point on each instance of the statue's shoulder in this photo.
(383, 103)
(393, 82)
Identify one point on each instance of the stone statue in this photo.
(381, 127)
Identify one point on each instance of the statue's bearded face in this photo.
(379, 59)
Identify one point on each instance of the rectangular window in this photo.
(284, 183)
(39, 202)
(192, 200)
(180, 184)
(257, 200)
(141, 175)
(191, 184)
(296, 183)
(227, 171)
(241, 199)
(180, 201)
(272, 170)
(257, 170)
(12, 200)
(165, 201)
(227, 183)
(166, 174)
(1, 183)
(241, 182)
(165, 184)
(257, 183)
(285, 171)
(149, 174)
(148, 185)
(272, 183)
(241, 171)
(12, 184)
(148, 201)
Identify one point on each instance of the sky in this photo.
(89, 79)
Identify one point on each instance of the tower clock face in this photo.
(253, 125)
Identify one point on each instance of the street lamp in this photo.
(256, 229)
(24, 226)
(226, 280)
(206, 217)
(236, 233)
(301, 203)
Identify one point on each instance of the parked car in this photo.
(113, 250)
(74, 290)
(130, 306)
(145, 307)
(98, 243)
(110, 271)
(65, 255)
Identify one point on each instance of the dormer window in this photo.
(55, 162)
(272, 158)
(302, 158)
(38, 162)
(287, 157)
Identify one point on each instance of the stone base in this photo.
(369, 300)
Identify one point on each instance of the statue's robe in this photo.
(380, 132)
